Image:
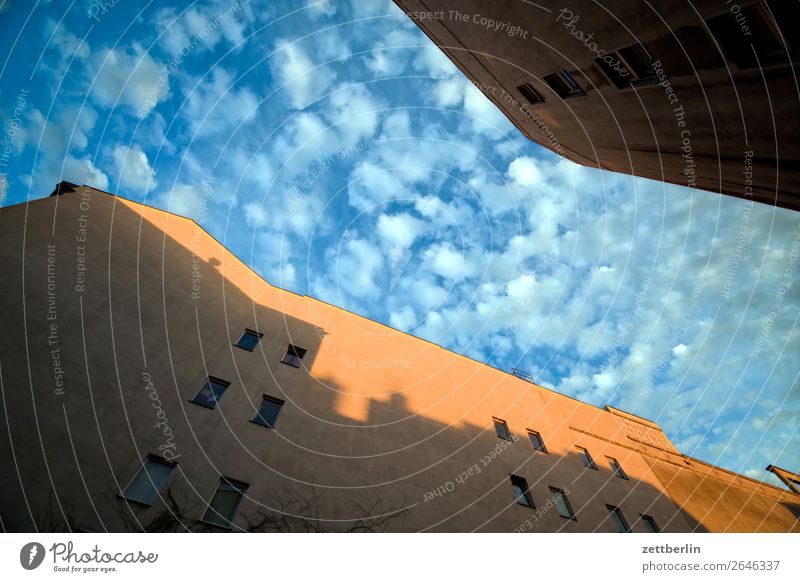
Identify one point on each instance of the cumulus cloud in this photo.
(201, 27)
(216, 105)
(133, 168)
(302, 81)
(129, 78)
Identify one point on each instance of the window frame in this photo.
(648, 519)
(500, 422)
(274, 400)
(617, 469)
(538, 435)
(156, 459)
(216, 398)
(241, 487)
(527, 90)
(527, 496)
(556, 491)
(586, 457)
(726, 30)
(615, 512)
(251, 332)
(293, 351)
(564, 84)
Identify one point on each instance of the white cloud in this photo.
(133, 168)
(403, 319)
(183, 199)
(358, 267)
(133, 79)
(82, 171)
(201, 28)
(300, 79)
(216, 105)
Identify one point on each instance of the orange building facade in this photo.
(152, 381)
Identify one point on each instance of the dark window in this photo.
(149, 480)
(531, 95)
(650, 524)
(562, 503)
(225, 503)
(293, 356)
(522, 492)
(615, 466)
(631, 65)
(501, 428)
(249, 340)
(619, 520)
(639, 62)
(268, 411)
(564, 85)
(211, 392)
(752, 36)
(586, 458)
(536, 441)
(615, 69)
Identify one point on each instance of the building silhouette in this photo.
(151, 381)
(701, 94)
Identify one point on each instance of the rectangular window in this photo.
(615, 70)
(536, 441)
(767, 24)
(631, 65)
(211, 392)
(530, 94)
(501, 428)
(564, 85)
(293, 356)
(225, 503)
(639, 62)
(616, 468)
(618, 519)
(149, 480)
(561, 503)
(586, 458)
(522, 492)
(268, 411)
(249, 340)
(650, 524)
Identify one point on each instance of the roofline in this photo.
(68, 187)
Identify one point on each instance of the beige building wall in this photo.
(379, 431)
(706, 119)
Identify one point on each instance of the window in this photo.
(618, 519)
(561, 503)
(631, 65)
(530, 94)
(268, 411)
(249, 340)
(225, 503)
(752, 37)
(650, 524)
(564, 85)
(522, 492)
(536, 441)
(615, 467)
(149, 481)
(293, 356)
(586, 458)
(211, 392)
(501, 428)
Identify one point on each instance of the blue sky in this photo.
(345, 157)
